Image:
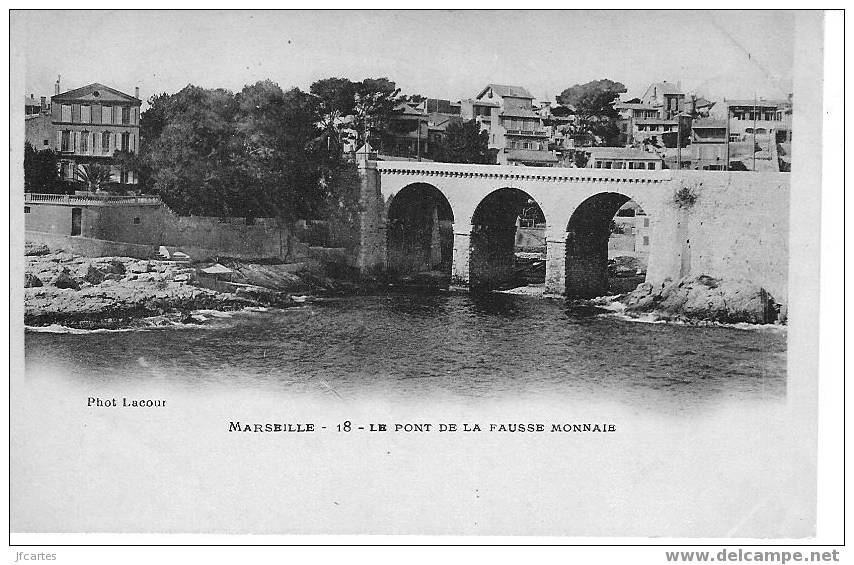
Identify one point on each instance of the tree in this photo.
(41, 170)
(464, 142)
(284, 156)
(336, 99)
(377, 100)
(593, 103)
(580, 159)
(94, 176)
(196, 156)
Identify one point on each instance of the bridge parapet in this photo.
(518, 173)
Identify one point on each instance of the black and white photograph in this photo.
(529, 275)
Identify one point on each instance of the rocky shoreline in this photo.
(703, 298)
(115, 292)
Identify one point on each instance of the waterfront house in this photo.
(89, 125)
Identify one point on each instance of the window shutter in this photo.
(58, 140)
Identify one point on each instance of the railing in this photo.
(91, 200)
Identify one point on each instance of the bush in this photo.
(685, 198)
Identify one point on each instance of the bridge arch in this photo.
(420, 232)
(587, 238)
(493, 243)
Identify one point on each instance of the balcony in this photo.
(528, 133)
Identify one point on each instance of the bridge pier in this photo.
(555, 265)
(587, 262)
(460, 268)
(492, 259)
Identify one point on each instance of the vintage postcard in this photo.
(542, 274)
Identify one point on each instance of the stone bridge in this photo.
(462, 219)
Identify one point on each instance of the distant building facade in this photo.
(408, 132)
(506, 113)
(88, 125)
(38, 127)
(760, 133)
(708, 145)
(653, 115)
(623, 158)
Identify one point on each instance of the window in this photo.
(65, 113)
(85, 114)
(646, 241)
(84, 141)
(123, 177)
(646, 222)
(125, 141)
(125, 114)
(66, 141)
(26, 209)
(137, 221)
(106, 114)
(46, 143)
(105, 142)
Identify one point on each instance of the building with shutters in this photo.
(89, 125)
(515, 129)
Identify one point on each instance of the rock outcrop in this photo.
(65, 280)
(32, 281)
(110, 291)
(704, 298)
(32, 249)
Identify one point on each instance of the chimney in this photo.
(56, 88)
(136, 92)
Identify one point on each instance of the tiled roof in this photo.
(708, 123)
(88, 91)
(760, 103)
(503, 90)
(654, 121)
(634, 106)
(407, 110)
(666, 87)
(441, 122)
(531, 155)
(702, 103)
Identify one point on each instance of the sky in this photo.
(439, 54)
